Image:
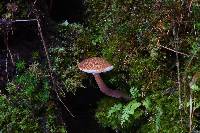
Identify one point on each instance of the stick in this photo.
(8, 52)
(174, 50)
(49, 64)
(7, 76)
(24, 20)
(158, 44)
(191, 111)
(7, 47)
(179, 86)
(32, 8)
(3, 21)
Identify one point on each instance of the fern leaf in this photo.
(129, 110)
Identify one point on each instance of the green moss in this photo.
(25, 107)
(128, 34)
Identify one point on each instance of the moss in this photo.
(128, 34)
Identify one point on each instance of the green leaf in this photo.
(147, 103)
(197, 25)
(195, 88)
(20, 65)
(134, 92)
(129, 110)
(115, 108)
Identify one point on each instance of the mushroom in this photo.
(97, 65)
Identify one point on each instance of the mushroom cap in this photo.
(95, 65)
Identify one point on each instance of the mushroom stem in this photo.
(103, 88)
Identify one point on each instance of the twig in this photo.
(174, 50)
(24, 20)
(179, 85)
(193, 81)
(49, 64)
(189, 5)
(191, 111)
(7, 47)
(158, 44)
(191, 94)
(6, 70)
(32, 8)
(4, 21)
(176, 40)
(8, 52)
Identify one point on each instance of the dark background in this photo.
(71, 10)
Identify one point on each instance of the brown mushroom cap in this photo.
(95, 65)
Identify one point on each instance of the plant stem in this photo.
(7, 47)
(113, 93)
(191, 110)
(49, 65)
(179, 86)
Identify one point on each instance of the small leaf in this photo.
(115, 108)
(195, 88)
(147, 103)
(134, 92)
(129, 110)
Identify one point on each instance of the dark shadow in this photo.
(71, 10)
